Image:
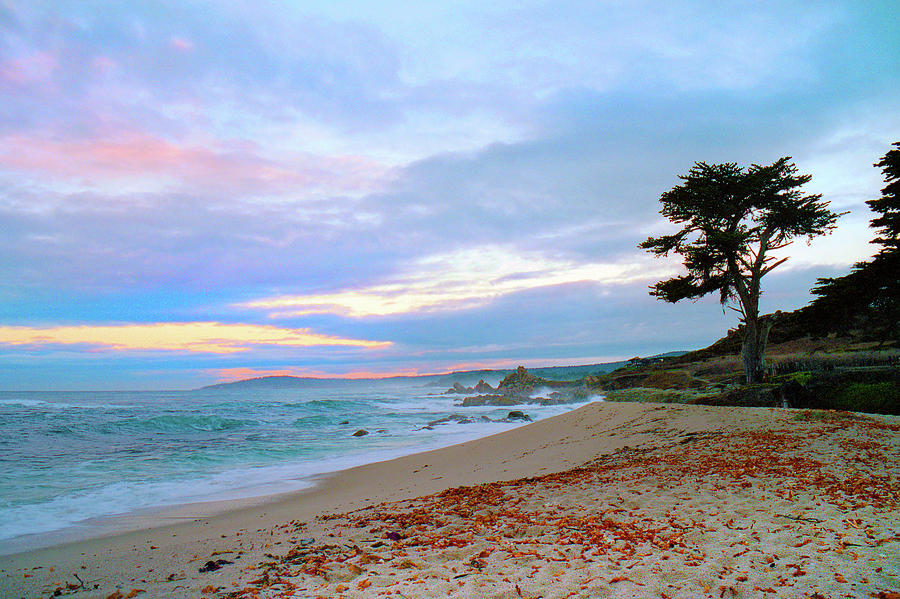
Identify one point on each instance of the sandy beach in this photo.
(610, 500)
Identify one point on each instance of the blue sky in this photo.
(193, 192)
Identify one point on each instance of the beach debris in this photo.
(212, 566)
(71, 588)
(522, 530)
(361, 433)
(800, 518)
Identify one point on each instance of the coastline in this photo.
(249, 495)
(164, 560)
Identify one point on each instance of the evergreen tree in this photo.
(867, 300)
(733, 220)
(888, 205)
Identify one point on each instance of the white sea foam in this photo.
(59, 405)
(75, 463)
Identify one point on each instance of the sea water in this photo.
(69, 457)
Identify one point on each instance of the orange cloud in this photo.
(199, 337)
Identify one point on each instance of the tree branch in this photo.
(767, 269)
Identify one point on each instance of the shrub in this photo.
(802, 377)
(876, 398)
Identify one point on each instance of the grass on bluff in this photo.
(837, 375)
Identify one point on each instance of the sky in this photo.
(196, 192)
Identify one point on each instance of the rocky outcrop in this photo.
(517, 415)
(518, 388)
(361, 433)
(483, 387)
(459, 388)
(520, 382)
(512, 416)
(554, 399)
(491, 400)
(456, 419)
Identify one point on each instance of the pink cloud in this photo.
(181, 44)
(104, 64)
(28, 70)
(138, 154)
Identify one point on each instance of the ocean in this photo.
(68, 459)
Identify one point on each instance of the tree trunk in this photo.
(753, 349)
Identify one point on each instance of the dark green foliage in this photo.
(798, 377)
(874, 398)
(875, 390)
(732, 220)
(866, 302)
(888, 205)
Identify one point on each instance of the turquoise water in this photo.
(68, 457)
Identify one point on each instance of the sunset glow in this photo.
(354, 189)
(461, 280)
(201, 337)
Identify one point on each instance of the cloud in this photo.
(459, 280)
(31, 69)
(139, 156)
(460, 178)
(267, 60)
(196, 337)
